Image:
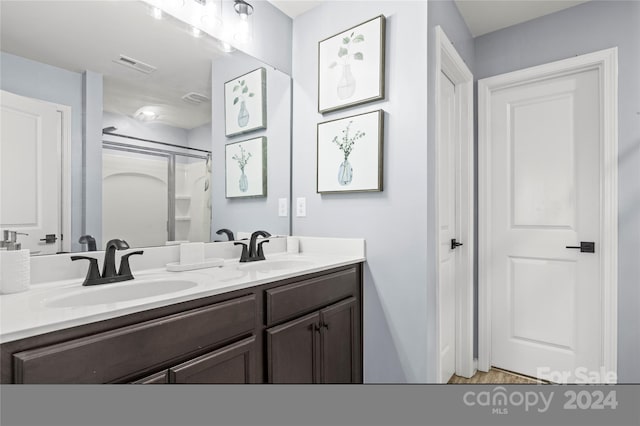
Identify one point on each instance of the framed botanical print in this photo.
(245, 103)
(350, 154)
(246, 168)
(351, 66)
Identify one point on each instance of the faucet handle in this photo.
(125, 268)
(90, 241)
(260, 255)
(244, 257)
(93, 273)
(227, 232)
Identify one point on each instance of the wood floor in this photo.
(495, 376)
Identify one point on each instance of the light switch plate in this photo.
(301, 207)
(282, 207)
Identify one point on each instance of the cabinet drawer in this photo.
(155, 379)
(235, 363)
(295, 299)
(115, 354)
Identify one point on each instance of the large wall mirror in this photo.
(113, 126)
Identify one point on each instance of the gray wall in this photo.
(92, 94)
(582, 29)
(394, 222)
(200, 137)
(271, 41)
(445, 14)
(36, 80)
(251, 214)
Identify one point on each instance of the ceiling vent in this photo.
(195, 98)
(135, 64)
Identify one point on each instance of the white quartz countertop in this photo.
(63, 304)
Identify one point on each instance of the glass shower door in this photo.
(135, 196)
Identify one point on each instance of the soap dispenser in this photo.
(10, 240)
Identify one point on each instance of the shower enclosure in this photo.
(155, 193)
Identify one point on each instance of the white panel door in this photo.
(30, 175)
(448, 155)
(545, 196)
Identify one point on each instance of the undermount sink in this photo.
(120, 292)
(275, 265)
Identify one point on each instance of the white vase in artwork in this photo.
(243, 183)
(243, 115)
(345, 172)
(347, 83)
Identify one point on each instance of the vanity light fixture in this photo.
(226, 47)
(156, 12)
(244, 11)
(196, 32)
(210, 12)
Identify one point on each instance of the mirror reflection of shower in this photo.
(154, 193)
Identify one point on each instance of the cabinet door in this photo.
(292, 351)
(340, 342)
(235, 363)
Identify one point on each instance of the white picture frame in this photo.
(246, 168)
(350, 154)
(245, 103)
(351, 67)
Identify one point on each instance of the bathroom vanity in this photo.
(290, 319)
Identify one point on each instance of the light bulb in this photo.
(242, 33)
(226, 47)
(156, 12)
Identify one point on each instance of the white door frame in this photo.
(65, 188)
(449, 62)
(606, 63)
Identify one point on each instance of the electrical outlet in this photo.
(282, 207)
(301, 207)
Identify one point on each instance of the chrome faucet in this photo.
(109, 274)
(251, 253)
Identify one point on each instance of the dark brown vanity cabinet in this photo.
(300, 330)
(323, 346)
(235, 363)
(114, 356)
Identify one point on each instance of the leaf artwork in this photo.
(244, 90)
(345, 143)
(243, 159)
(343, 50)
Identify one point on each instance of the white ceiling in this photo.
(485, 16)
(481, 16)
(294, 8)
(88, 35)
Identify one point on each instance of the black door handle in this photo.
(49, 239)
(455, 244)
(585, 247)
